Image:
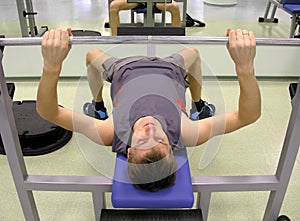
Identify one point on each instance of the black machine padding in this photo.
(162, 31)
(85, 33)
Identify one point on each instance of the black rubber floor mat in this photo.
(37, 136)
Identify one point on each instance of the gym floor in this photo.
(258, 155)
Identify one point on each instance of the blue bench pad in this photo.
(144, 10)
(179, 195)
(292, 8)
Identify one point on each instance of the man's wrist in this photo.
(245, 70)
(51, 70)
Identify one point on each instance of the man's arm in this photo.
(55, 48)
(242, 49)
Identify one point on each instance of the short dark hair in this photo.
(153, 172)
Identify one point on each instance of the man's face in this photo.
(148, 133)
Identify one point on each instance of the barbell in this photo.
(148, 40)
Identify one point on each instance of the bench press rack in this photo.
(98, 185)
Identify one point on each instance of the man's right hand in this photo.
(55, 48)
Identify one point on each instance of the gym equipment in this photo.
(221, 2)
(146, 215)
(180, 195)
(37, 136)
(98, 185)
(292, 7)
(149, 19)
(165, 31)
(283, 218)
(85, 33)
(27, 21)
(149, 40)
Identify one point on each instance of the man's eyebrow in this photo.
(163, 142)
(143, 140)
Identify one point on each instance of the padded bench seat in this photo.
(180, 195)
(292, 8)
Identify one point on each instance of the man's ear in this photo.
(128, 152)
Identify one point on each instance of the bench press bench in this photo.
(176, 201)
(292, 7)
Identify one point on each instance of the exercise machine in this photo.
(292, 7)
(27, 20)
(149, 25)
(203, 186)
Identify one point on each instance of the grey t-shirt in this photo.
(149, 87)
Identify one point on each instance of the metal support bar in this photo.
(22, 19)
(13, 150)
(273, 12)
(267, 10)
(204, 198)
(68, 183)
(149, 40)
(184, 8)
(295, 20)
(272, 18)
(287, 159)
(99, 203)
(234, 183)
(31, 20)
(151, 50)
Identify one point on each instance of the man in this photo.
(118, 5)
(149, 120)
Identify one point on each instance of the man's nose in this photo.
(150, 130)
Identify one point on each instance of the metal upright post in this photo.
(287, 160)
(13, 150)
(99, 203)
(31, 20)
(150, 20)
(22, 18)
(151, 50)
